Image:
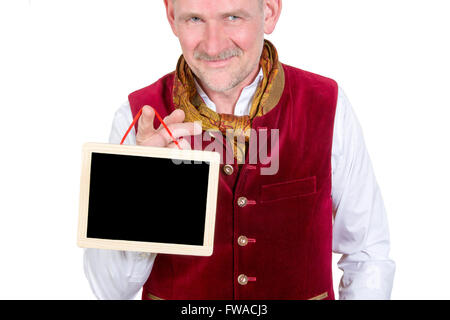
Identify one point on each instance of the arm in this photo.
(118, 274)
(360, 229)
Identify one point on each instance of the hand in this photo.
(147, 135)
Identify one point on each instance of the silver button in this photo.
(242, 279)
(242, 241)
(242, 202)
(228, 169)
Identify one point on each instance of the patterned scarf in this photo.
(267, 96)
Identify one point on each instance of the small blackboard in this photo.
(148, 199)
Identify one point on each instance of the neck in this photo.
(226, 101)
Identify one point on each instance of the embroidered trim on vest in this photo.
(151, 296)
(277, 90)
(320, 296)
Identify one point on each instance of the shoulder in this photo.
(163, 83)
(309, 78)
(321, 91)
(158, 95)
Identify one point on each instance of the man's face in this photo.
(221, 40)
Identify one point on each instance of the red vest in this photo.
(286, 216)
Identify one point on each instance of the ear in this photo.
(272, 11)
(170, 12)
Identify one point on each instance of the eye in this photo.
(232, 18)
(194, 19)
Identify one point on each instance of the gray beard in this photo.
(234, 82)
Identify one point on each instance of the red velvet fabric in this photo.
(289, 214)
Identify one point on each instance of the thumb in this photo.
(146, 120)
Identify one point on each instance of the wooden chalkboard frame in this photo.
(194, 155)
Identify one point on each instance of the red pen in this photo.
(160, 120)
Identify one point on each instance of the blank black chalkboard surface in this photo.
(148, 199)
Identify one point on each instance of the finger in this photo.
(180, 130)
(155, 140)
(177, 116)
(183, 143)
(145, 124)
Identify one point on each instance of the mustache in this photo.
(226, 54)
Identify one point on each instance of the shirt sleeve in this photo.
(118, 274)
(360, 228)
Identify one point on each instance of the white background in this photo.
(67, 65)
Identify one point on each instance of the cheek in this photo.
(249, 40)
(188, 41)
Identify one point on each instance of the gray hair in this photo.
(261, 2)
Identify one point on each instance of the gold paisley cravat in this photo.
(267, 96)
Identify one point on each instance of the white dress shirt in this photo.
(360, 227)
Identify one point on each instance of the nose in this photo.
(215, 39)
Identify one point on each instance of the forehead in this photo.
(215, 7)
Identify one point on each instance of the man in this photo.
(275, 233)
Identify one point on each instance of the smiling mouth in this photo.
(218, 63)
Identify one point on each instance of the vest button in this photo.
(228, 169)
(242, 202)
(242, 241)
(242, 279)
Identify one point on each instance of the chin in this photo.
(223, 85)
(219, 87)
(225, 82)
